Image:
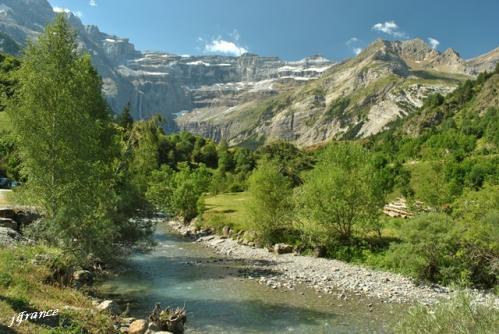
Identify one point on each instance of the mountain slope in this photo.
(252, 99)
(356, 98)
(160, 82)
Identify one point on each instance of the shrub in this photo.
(427, 252)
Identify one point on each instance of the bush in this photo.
(458, 315)
(427, 252)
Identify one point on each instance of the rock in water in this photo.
(138, 327)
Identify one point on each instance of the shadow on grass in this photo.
(19, 305)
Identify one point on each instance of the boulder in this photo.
(82, 277)
(109, 306)
(7, 213)
(138, 327)
(9, 237)
(9, 223)
(282, 248)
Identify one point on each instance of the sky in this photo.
(291, 29)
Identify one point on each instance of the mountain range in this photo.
(250, 100)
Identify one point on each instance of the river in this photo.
(178, 272)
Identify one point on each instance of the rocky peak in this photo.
(486, 62)
(23, 19)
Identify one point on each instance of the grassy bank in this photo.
(27, 284)
(229, 209)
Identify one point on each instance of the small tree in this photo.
(125, 119)
(340, 194)
(271, 206)
(64, 135)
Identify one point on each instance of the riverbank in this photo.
(325, 276)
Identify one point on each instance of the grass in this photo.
(230, 209)
(24, 287)
(5, 124)
(457, 316)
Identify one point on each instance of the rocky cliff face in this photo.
(159, 82)
(356, 98)
(252, 99)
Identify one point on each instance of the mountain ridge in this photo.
(252, 99)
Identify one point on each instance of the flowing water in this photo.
(178, 272)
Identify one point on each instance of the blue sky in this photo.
(292, 29)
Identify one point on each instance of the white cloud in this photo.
(389, 28)
(219, 45)
(61, 10)
(93, 3)
(433, 42)
(67, 11)
(353, 44)
(352, 41)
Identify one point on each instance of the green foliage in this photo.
(337, 109)
(270, 206)
(462, 248)
(178, 193)
(340, 193)
(125, 119)
(457, 316)
(145, 145)
(8, 83)
(290, 160)
(8, 45)
(433, 101)
(429, 243)
(9, 156)
(65, 141)
(433, 190)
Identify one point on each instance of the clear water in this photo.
(178, 272)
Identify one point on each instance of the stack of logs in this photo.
(398, 208)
